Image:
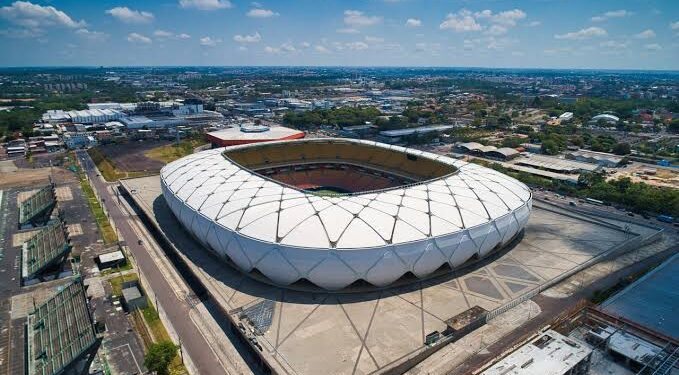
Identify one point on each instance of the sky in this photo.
(578, 34)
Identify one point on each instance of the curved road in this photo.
(194, 345)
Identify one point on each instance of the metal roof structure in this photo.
(553, 164)
(37, 205)
(652, 301)
(594, 157)
(470, 146)
(59, 332)
(457, 210)
(506, 152)
(416, 130)
(45, 248)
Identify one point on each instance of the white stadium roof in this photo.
(286, 233)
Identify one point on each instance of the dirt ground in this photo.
(129, 157)
(34, 177)
(661, 177)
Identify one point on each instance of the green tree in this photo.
(589, 179)
(550, 147)
(673, 127)
(159, 357)
(622, 149)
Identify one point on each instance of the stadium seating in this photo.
(314, 151)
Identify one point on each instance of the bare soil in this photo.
(129, 157)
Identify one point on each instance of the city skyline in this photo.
(519, 34)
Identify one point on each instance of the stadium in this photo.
(343, 212)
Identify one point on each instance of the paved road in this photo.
(176, 309)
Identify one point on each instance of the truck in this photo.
(665, 218)
(594, 201)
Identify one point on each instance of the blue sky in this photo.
(612, 34)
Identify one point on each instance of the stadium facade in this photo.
(338, 211)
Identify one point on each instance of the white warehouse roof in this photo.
(333, 241)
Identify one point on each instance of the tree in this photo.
(550, 147)
(622, 149)
(159, 357)
(673, 127)
(589, 179)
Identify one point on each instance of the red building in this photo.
(252, 134)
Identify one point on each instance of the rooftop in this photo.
(651, 301)
(43, 249)
(418, 130)
(556, 164)
(43, 200)
(59, 331)
(550, 354)
(248, 133)
(111, 257)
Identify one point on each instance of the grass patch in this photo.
(125, 267)
(117, 283)
(159, 333)
(108, 169)
(174, 151)
(105, 229)
(153, 328)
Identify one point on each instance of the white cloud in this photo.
(613, 44)
(357, 46)
(462, 21)
(534, 23)
(164, 34)
(321, 49)
(653, 47)
(590, 32)
(413, 22)
(128, 15)
(35, 17)
(507, 18)
(348, 30)
(674, 25)
(205, 4)
(612, 14)
(254, 38)
(356, 18)
(305, 45)
(261, 13)
(209, 42)
(91, 35)
(138, 38)
(646, 34)
(283, 48)
(496, 30)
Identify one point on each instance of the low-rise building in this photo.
(79, 140)
(603, 159)
(395, 136)
(551, 353)
(566, 116)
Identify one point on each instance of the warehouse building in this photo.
(603, 159)
(556, 165)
